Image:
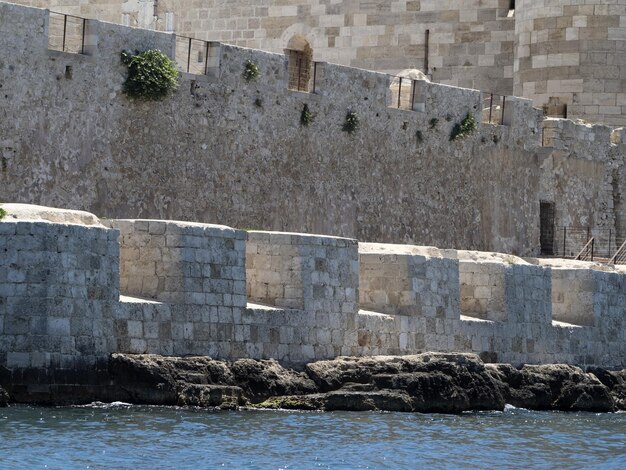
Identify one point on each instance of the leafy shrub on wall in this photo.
(251, 71)
(351, 123)
(152, 75)
(464, 128)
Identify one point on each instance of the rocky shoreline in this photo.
(428, 383)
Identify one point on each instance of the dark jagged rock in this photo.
(223, 396)
(144, 379)
(202, 381)
(267, 378)
(615, 381)
(4, 398)
(551, 387)
(430, 382)
(444, 383)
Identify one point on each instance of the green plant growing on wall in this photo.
(433, 123)
(152, 75)
(306, 116)
(464, 128)
(250, 71)
(351, 123)
(3, 213)
(419, 136)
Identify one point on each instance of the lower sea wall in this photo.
(215, 291)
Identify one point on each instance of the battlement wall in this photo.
(310, 297)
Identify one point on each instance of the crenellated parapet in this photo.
(300, 298)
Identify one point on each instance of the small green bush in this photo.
(433, 123)
(152, 75)
(351, 123)
(3, 213)
(306, 116)
(251, 71)
(464, 128)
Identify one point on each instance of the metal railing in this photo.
(586, 254)
(584, 243)
(402, 92)
(66, 33)
(620, 255)
(493, 109)
(192, 55)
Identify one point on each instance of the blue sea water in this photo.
(137, 437)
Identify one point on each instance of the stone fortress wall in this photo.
(221, 148)
(62, 305)
(563, 54)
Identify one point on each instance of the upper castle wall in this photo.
(71, 138)
(548, 50)
(468, 43)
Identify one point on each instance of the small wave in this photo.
(101, 405)
(509, 407)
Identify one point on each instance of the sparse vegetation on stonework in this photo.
(419, 136)
(433, 123)
(464, 128)
(351, 123)
(152, 75)
(251, 71)
(306, 116)
(3, 213)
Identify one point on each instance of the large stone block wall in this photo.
(405, 280)
(573, 51)
(306, 272)
(482, 290)
(182, 262)
(104, 152)
(572, 296)
(59, 284)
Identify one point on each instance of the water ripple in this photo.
(134, 437)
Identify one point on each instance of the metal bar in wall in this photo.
(399, 91)
(426, 51)
(206, 58)
(413, 82)
(189, 55)
(564, 239)
(82, 45)
(314, 76)
(64, 32)
(490, 107)
(503, 106)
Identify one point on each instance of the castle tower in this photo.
(570, 58)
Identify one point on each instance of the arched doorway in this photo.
(300, 57)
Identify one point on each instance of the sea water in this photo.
(121, 436)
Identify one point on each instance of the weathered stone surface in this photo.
(551, 387)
